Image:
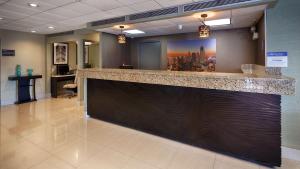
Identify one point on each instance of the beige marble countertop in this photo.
(267, 84)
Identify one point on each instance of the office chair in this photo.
(72, 87)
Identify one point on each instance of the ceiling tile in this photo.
(81, 8)
(164, 22)
(59, 2)
(168, 3)
(129, 2)
(145, 6)
(43, 6)
(11, 14)
(19, 8)
(50, 17)
(85, 19)
(103, 5)
(62, 11)
(19, 26)
(33, 21)
(121, 11)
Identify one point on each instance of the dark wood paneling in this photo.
(244, 125)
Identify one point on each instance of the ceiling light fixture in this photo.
(208, 13)
(218, 22)
(134, 31)
(204, 30)
(33, 5)
(51, 27)
(33, 31)
(1, 18)
(118, 26)
(121, 37)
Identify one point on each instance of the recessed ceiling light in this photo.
(50, 27)
(34, 5)
(218, 22)
(33, 31)
(134, 31)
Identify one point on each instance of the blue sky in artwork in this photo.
(191, 45)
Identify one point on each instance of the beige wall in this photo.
(234, 47)
(260, 58)
(30, 53)
(72, 55)
(94, 58)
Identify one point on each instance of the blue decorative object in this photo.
(29, 71)
(18, 70)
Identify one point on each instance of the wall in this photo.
(260, 57)
(30, 53)
(72, 55)
(94, 55)
(234, 47)
(114, 54)
(283, 34)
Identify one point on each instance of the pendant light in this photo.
(121, 37)
(204, 30)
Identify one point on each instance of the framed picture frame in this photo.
(60, 53)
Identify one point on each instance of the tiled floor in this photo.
(54, 134)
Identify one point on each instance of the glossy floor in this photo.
(54, 134)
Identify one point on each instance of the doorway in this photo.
(150, 55)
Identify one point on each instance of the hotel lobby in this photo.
(149, 84)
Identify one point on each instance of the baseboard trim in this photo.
(290, 153)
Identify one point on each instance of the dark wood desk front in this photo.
(56, 79)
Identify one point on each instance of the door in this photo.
(150, 55)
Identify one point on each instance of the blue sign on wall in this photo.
(277, 53)
(8, 52)
(277, 59)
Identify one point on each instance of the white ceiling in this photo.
(240, 18)
(67, 15)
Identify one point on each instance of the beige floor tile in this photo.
(154, 152)
(82, 126)
(192, 158)
(7, 137)
(136, 164)
(106, 159)
(52, 138)
(127, 144)
(53, 163)
(290, 164)
(226, 162)
(105, 135)
(78, 152)
(21, 155)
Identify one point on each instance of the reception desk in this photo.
(230, 113)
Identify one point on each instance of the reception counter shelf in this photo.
(266, 84)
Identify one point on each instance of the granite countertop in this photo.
(267, 84)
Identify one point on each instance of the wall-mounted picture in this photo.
(192, 55)
(60, 53)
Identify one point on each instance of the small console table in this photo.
(23, 87)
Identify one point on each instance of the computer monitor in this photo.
(62, 69)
